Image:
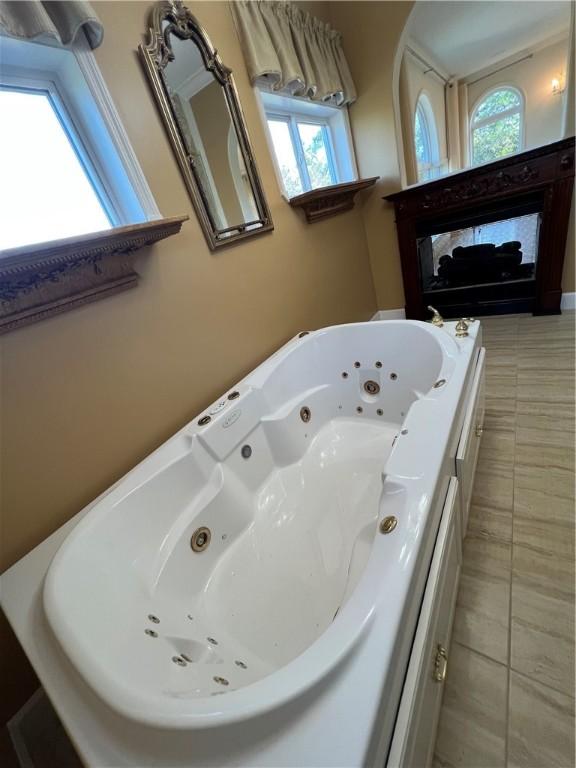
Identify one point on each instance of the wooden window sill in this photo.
(329, 201)
(45, 279)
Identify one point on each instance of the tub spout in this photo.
(437, 318)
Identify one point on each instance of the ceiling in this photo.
(465, 36)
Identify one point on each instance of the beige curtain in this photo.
(57, 20)
(465, 159)
(291, 51)
(407, 123)
(453, 126)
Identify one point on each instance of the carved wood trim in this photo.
(537, 167)
(329, 201)
(44, 279)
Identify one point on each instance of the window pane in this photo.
(421, 142)
(286, 157)
(45, 193)
(316, 155)
(497, 102)
(497, 139)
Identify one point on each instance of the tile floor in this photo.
(509, 697)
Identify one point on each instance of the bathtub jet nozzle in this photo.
(200, 539)
(388, 524)
(371, 387)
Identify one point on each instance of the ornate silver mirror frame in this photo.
(168, 18)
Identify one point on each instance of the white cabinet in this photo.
(469, 445)
(417, 721)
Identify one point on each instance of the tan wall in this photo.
(543, 110)
(372, 32)
(88, 394)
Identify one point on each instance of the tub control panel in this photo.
(218, 407)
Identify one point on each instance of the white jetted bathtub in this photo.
(253, 553)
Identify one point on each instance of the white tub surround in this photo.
(298, 616)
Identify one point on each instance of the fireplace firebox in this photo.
(489, 240)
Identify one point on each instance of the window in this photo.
(426, 140)
(496, 126)
(311, 143)
(50, 194)
(303, 151)
(67, 167)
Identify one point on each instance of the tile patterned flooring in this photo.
(509, 696)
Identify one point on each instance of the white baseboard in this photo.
(568, 301)
(390, 314)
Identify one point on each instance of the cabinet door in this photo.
(415, 731)
(469, 445)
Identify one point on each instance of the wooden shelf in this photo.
(44, 279)
(329, 201)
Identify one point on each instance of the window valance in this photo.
(291, 51)
(56, 20)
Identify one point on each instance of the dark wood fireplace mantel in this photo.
(539, 180)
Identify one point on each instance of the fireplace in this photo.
(481, 262)
(485, 254)
(489, 240)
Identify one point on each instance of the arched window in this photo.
(497, 125)
(426, 140)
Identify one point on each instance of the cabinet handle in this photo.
(440, 664)
(479, 430)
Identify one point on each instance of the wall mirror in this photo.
(199, 105)
(478, 81)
